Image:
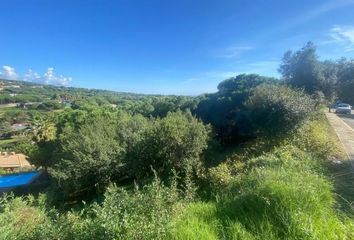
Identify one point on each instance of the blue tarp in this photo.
(18, 179)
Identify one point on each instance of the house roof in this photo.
(11, 160)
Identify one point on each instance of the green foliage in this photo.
(346, 80)
(92, 149)
(278, 109)
(140, 214)
(335, 79)
(89, 156)
(21, 219)
(225, 111)
(197, 222)
(302, 69)
(220, 176)
(280, 197)
(137, 214)
(173, 143)
(43, 129)
(317, 137)
(5, 128)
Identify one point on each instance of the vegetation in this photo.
(225, 109)
(334, 79)
(251, 161)
(278, 109)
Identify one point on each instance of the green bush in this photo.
(20, 218)
(124, 214)
(277, 109)
(174, 143)
(141, 214)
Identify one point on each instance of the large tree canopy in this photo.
(224, 109)
(346, 80)
(302, 69)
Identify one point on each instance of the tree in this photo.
(43, 133)
(89, 157)
(346, 80)
(43, 129)
(224, 110)
(302, 69)
(330, 78)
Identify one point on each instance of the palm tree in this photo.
(43, 130)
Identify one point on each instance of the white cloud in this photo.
(31, 76)
(8, 72)
(49, 77)
(233, 51)
(343, 35)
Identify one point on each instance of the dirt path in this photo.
(345, 134)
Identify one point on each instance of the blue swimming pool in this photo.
(18, 179)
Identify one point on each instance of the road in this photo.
(348, 119)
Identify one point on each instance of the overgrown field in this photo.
(282, 194)
(266, 190)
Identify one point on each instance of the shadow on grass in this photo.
(342, 175)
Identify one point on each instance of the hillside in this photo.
(255, 160)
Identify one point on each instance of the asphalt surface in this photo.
(348, 119)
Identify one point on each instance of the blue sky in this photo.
(164, 46)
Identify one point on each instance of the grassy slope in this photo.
(286, 193)
(342, 176)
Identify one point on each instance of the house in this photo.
(13, 161)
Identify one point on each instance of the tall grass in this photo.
(281, 194)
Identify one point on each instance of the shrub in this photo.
(20, 218)
(138, 214)
(276, 109)
(220, 176)
(174, 143)
(141, 214)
